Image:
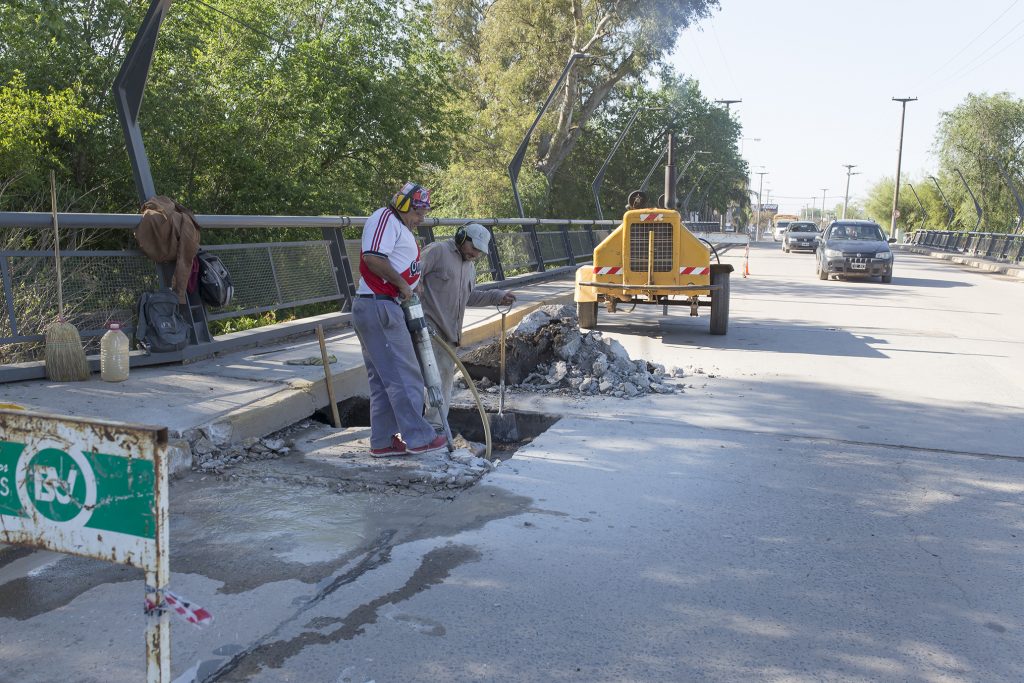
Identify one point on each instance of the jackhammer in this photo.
(417, 324)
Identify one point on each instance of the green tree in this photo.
(252, 106)
(33, 128)
(513, 53)
(878, 205)
(979, 135)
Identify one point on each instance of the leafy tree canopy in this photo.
(982, 138)
(252, 106)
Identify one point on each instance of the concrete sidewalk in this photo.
(245, 394)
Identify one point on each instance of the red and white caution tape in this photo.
(189, 611)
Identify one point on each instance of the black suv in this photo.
(800, 236)
(854, 249)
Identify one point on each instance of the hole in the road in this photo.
(509, 431)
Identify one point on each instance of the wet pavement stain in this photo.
(246, 534)
(435, 567)
(58, 583)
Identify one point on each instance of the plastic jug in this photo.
(114, 354)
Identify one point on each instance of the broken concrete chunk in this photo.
(203, 446)
(274, 444)
(558, 371)
(615, 350)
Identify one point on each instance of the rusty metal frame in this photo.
(115, 511)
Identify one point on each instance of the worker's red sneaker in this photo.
(397, 447)
(438, 443)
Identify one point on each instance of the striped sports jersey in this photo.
(385, 235)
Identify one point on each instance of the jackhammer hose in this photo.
(476, 395)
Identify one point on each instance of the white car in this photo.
(780, 230)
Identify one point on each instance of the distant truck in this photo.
(780, 222)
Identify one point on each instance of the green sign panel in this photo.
(93, 490)
(86, 487)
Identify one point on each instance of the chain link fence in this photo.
(104, 286)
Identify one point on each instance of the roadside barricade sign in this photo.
(92, 488)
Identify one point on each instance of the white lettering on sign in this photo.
(4, 487)
(49, 485)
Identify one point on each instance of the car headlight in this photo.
(833, 253)
(884, 255)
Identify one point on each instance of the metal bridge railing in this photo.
(104, 286)
(994, 245)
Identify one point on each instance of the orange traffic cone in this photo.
(746, 261)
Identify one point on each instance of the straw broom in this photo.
(65, 357)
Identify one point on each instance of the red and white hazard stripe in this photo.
(607, 270)
(694, 270)
(189, 611)
(650, 217)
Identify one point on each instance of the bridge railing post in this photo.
(568, 245)
(494, 258)
(532, 230)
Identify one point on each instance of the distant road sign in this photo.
(768, 207)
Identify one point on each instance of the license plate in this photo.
(859, 266)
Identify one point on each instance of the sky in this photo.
(817, 81)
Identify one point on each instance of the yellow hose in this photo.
(476, 395)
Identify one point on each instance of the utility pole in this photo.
(823, 191)
(899, 161)
(728, 104)
(846, 197)
(760, 186)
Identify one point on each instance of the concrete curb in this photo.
(987, 265)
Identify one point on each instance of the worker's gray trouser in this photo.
(396, 385)
(445, 368)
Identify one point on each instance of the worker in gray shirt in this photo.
(446, 288)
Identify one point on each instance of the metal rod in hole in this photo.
(501, 392)
(335, 418)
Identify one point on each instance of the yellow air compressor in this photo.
(651, 258)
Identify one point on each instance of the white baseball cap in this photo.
(479, 235)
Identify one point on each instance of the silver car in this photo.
(801, 236)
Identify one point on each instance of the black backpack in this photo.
(161, 328)
(215, 286)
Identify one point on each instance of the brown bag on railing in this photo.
(168, 233)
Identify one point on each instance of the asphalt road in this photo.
(835, 497)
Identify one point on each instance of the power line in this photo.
(971, 66)
(725, 59)
(1014, 42)
(972, 41)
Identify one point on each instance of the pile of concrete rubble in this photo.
(547, 352)
(208, 456)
